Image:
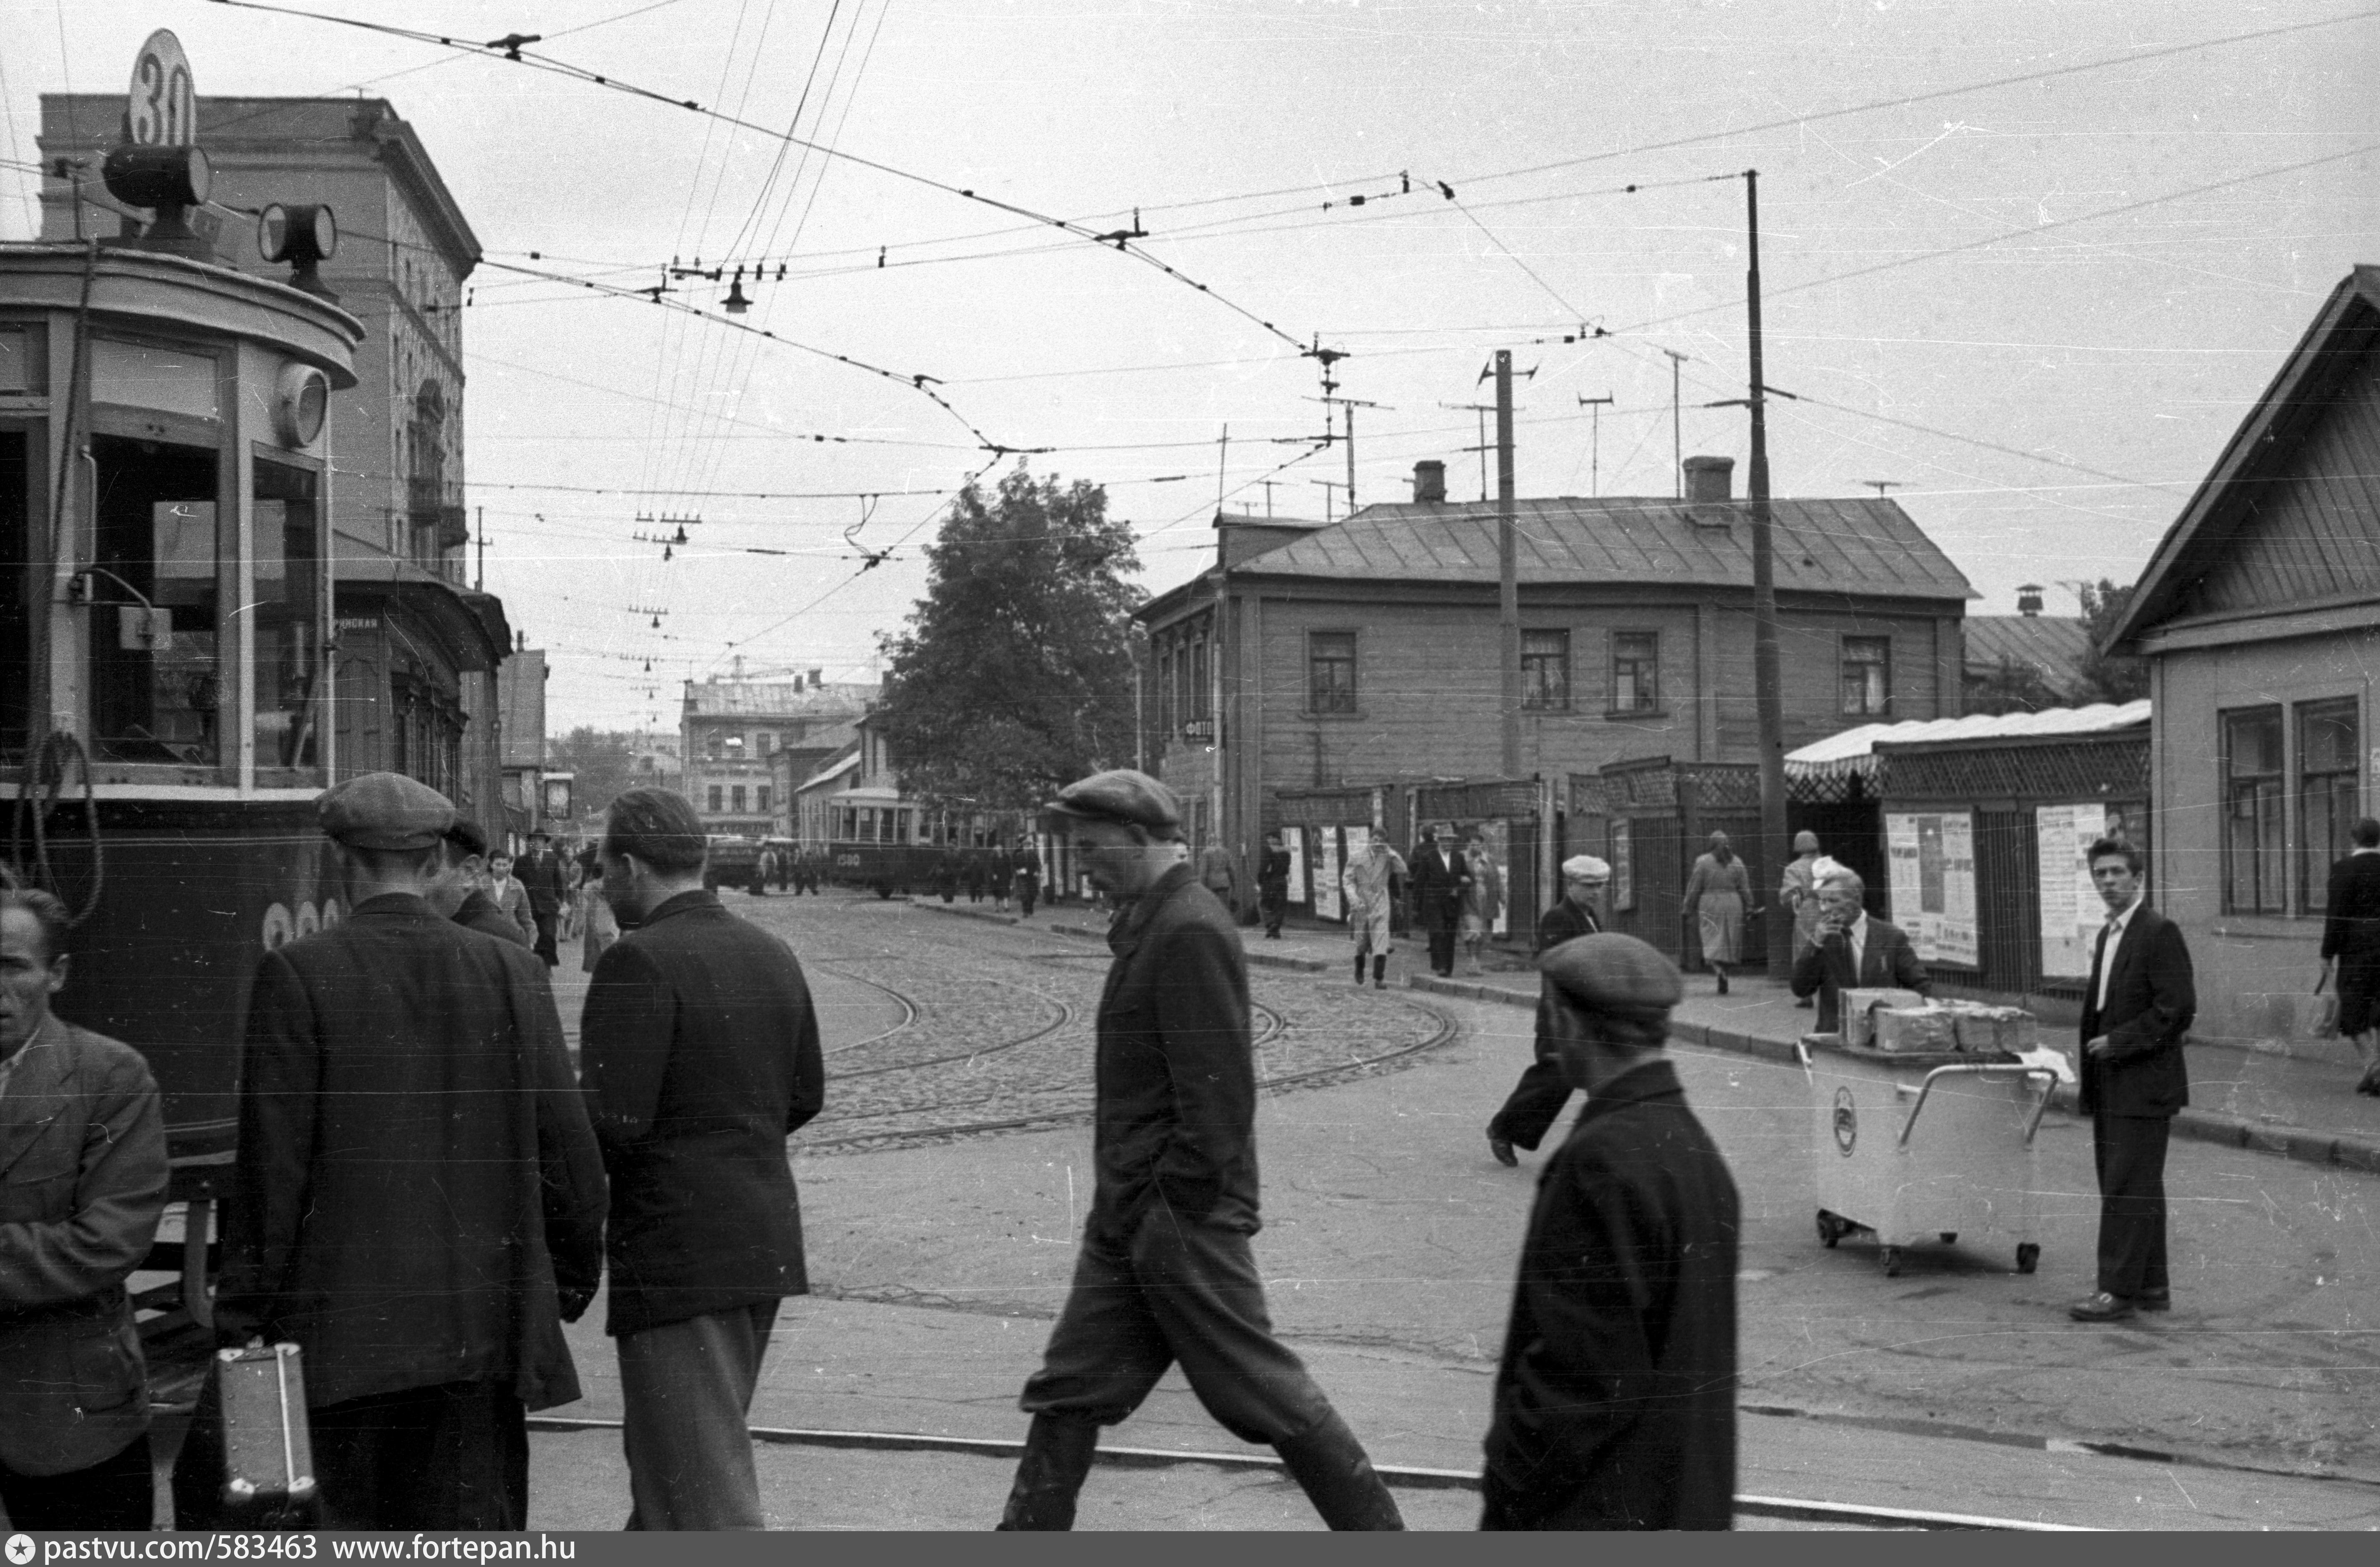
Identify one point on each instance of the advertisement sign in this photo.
(1326, 903)
(1293, 840)
(1623, 866)
(1933, 860)
(1496, 837)
(2071, 911)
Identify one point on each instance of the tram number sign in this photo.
(162, 110)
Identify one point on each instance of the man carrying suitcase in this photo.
(418, 1200)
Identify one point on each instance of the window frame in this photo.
(1649, 702)
(1346, 701)
(1530, 693)
(1845, 663)
(2313, 860)
(2263, 789)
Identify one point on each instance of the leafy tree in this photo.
(603, 761)
(2012, 686)
(2109, 677)
(1014, 674)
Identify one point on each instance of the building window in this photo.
(1165, 691)
(1331, 665)
(2252, 827)
(762, 801)
(1635, 671)
(735, 795)
(2326, 795)
(1202, 704)
(714, 798)
(1545, 670)
(713, 743)
(1867, 676)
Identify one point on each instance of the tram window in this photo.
(157, 686)
(288, 599)
(16, 571)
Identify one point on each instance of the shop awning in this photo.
(1842, 765)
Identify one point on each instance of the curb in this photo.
(2344, 1150)
(990, 917)
(1261, 960)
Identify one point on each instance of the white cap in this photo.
(1588, 867)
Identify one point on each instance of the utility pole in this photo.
(1328, 486)
(1594, 443)
(1508, 577)
(1766, 677)
(1483, 410)
(481, 585)
(1677, 429)
(1223, 462)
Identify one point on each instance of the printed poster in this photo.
(1327, 900)
(1623, 865)
(1933, 871)
(1496, 837)
(1293, 840)
(2071, 912)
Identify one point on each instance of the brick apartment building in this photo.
(1367, 652)
(730, 732)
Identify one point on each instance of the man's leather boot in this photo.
(1057, 1458)
(1330, 1463)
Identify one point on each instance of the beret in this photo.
(1612, 972)
(1805, 843)
(1588, 866)
(1120, 794)
(385, 810)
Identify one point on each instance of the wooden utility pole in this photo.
(1594, 443)
(1677, 429)
(1767, 679)
(1508, 577)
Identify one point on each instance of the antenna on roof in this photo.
(1881, 485)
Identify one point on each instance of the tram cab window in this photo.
(16, 586)
(157, 685)
(287, 595)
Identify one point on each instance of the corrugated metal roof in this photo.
(2055, 645)
(832, 772)
(774, 698)
(1837, 752)
(1864, 546)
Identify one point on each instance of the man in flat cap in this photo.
(418, 1201)
(1536, 1100)
(1166, 1273)
(1615, 1395)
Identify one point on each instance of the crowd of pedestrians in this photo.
(424, 1191)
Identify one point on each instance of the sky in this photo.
(2028, 263)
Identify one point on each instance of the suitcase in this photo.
(268, 1457)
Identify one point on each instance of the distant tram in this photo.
(166, 643)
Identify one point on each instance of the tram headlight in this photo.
(301, 400)
(155, 176)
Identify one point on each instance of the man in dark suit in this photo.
(1272, 885)
(1615, 1396)
(460, 892)
(1853, 952)
(82, 1181)
(1166, 1275)
(2350, 938)
(418, 1201)
(1440, 874)
(547, 883)
(1536, 1100)
(2135, 1013)
(701, 1053)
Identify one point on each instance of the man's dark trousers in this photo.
(2130, 1152)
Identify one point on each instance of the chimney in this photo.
(1430, 483)
(1708, 479)
(2028, 599)
(818, 679)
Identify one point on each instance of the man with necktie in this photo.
(2135, 1012)
(1853, 952)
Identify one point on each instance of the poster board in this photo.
(1496, 837)
(1932, 864)
(1623, 865)
(1293, 840)
(2071, 911)
(1327, 900)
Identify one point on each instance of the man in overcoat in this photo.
(1166, 1274)
(2137, 1008)
(82, 1180)
(1854, 952)
(2350, 941)
(548, 885)
(1440, 874)
(418, 1200)
(1272, 885)
(460, 893)
(701, 1051)
(1536, 1102)
(1615, 1395)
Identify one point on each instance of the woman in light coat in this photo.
(1483, 900)
(1717, 896)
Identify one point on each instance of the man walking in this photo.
(2350, 938)
(1439, 875)
(506, 892)
(1615, 1397)
(82, 1180)
(1370, 883)
(460, 891)
(701, 1051)
(418, 1200)
(1272, 885)
(1220, 874)
(548, 888)
(1853, 952)
(2138, 1005)
(1536, 1100)
(1166, 1273)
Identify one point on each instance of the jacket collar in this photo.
(1124, 934)
(685, 903)
(38, 1089)
(1656, 1079)
(392, 906)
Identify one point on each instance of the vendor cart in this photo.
(1924, 1147)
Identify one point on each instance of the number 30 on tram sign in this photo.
(162, 110)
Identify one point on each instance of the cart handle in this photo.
(1979, 1070)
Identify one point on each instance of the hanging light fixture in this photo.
(657, 623)
(680, 534)
(735, 302)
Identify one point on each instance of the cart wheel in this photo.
(1830, 1228)
(2028, 1257)
(1949, 1237)
(1892, 1262)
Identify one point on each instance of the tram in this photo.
(166, 640)
(910, 850)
